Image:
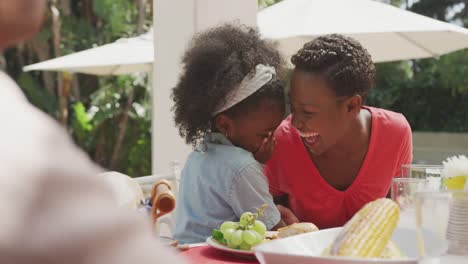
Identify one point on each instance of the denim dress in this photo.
(218, 185)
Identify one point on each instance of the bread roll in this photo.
(296, 229)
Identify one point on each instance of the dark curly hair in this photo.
(345, 64)
(215, 63)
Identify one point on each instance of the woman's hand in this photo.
(287, 215)
(264, 153)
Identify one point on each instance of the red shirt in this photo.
(291, 171)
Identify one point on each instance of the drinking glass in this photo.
(431, 173)
(414, 178)
(420, 170)
(403, 192)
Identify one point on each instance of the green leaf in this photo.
(82, 127)
(82, 117)
(218, 236)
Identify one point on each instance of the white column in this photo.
(175, 22)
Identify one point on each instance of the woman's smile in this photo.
(309, 138)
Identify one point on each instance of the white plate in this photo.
(307, 249)
(248, 254)
(241, 253)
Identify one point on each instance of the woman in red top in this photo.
(333, 154)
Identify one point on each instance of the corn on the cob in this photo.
(369, 231)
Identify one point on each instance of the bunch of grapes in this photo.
(243, 235)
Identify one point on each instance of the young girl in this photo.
(228, 103)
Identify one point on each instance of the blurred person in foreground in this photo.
(53, 207)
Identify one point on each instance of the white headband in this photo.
(249, 85)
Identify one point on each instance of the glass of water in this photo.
(414, 178)
(403, 192)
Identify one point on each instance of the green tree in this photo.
(431, 93)
(109, 117)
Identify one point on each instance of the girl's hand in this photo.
(266, 149)
(287, 215)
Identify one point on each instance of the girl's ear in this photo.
(224, 124)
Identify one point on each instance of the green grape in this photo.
(246, 218)
(259, 227)
(236, 238)
(249, 237)
(245, 246)
(227, 225)
(230, 244)
(259, 239)
(228, 233)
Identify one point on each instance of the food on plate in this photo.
(368, 233)
(243, 235)
(250, 231)
(296, 229)
(271, 235)
(291, 230)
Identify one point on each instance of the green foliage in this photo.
(389, 79)
(432, 96)
(73, 30)
(434, 8)
(82, 126)
(137, 148)
(453, 70)
(95, 126)
(118, 16)
(431, 93)
(96, 110)
(83, 122)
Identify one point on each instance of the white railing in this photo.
(146, 183)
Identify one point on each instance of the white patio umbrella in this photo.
(388, 33)
(127, 55)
